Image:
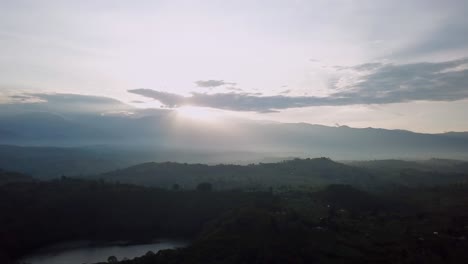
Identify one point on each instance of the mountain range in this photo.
(84, 121)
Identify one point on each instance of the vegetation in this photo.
(37, 214)
(296, 173)
(338, 224)
(9, 177)
(313, 211)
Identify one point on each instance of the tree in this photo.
(175, 187)
(112, 259)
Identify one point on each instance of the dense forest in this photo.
(11, 177)
(42, 213)
(336, 223)
(297, 173)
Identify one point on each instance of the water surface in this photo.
(85, 252)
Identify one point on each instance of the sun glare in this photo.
(198, 113)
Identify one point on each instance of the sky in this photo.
(361, 63)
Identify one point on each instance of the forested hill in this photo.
(445, 165)
(285, 174)
(10, 177)
(295, 172)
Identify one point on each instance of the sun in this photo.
(197, 113)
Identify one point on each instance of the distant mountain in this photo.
(462, 135)
(46, 129)
(75, 120)
(44, 126)
(52, 162)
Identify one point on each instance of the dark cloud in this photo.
(226, 101)
(392, 83)
(240, 101)
(367, 66)
(63, 98)
(386, 83)
(168, 99)
(22, 98)
(213, 83)
(63, 103)
(360, 67)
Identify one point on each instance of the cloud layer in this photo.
(378, 83)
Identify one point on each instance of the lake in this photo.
(86, 252)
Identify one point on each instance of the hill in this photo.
(7, 177)
(296, 172)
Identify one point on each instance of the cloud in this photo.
(23, 98)
(62, 103)
(383, 84)
(226, 101)
(393, 83)
(239, 101)
(213, 83)
(63, 98)
(168, 99)
(234, 88)
(366, 66)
